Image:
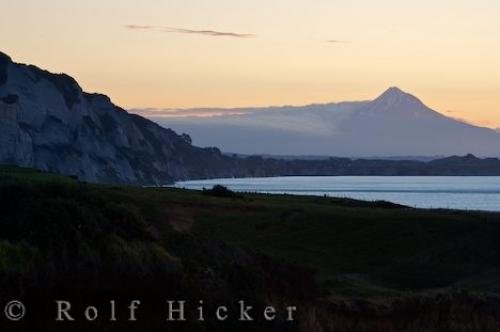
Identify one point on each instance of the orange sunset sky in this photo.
(231, 53)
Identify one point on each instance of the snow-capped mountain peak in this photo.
(394, 124)
(395, 99)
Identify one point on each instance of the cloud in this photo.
(185, 113)
(139, 27)
(211, 33)
(459, 119)
(335, 41)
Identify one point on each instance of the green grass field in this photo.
(359, 249)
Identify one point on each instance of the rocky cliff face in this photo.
(49, 123)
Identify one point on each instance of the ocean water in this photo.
(455, 192)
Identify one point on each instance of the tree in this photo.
(187, 138)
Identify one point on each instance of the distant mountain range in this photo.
(47, 122)
(394, 124)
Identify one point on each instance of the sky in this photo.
(234, 53)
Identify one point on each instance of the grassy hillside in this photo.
(365, 250)
(62, 237)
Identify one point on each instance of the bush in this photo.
(10, 99)
(220, 191)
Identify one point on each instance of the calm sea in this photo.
(456, 192)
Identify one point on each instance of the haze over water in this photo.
(454, 192)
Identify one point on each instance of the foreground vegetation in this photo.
(60, 238)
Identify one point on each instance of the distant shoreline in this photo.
(428, 192)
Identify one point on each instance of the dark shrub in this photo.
(10, 99)
(187, 138)
(220, 191)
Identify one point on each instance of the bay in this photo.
(453, 192)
